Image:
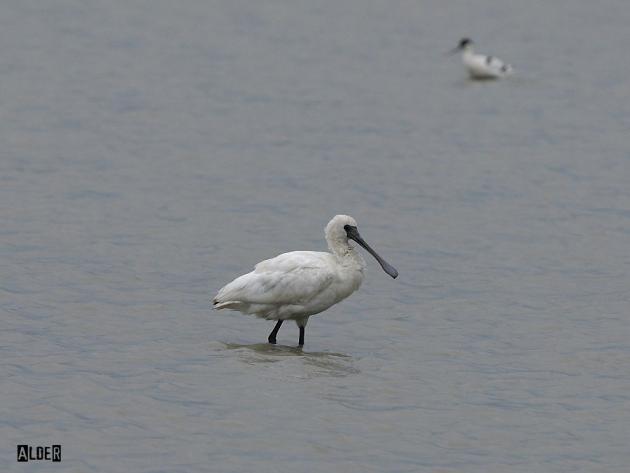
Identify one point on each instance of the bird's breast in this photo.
(350, 279)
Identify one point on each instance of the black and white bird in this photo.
(480, 66)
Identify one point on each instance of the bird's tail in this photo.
(224, 305)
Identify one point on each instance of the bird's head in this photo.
(463, 45)
(335, 230)
(343, 228)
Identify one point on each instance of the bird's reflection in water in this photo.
(316, 363)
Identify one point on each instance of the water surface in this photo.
(153, 150)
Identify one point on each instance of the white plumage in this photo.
(480, 66)
(296, 285)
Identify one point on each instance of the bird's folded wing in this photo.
(495, 63)
(290, 278)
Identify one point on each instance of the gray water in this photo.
(154, 150)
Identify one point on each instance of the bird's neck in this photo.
(348, 255)
(468, 52)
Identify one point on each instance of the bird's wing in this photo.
(497, 65)
(290, 278)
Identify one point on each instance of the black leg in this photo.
(274, 332)
(301, 336)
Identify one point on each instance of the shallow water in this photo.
(152, 151)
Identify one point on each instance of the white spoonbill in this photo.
(480, 66)
(298, 284)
